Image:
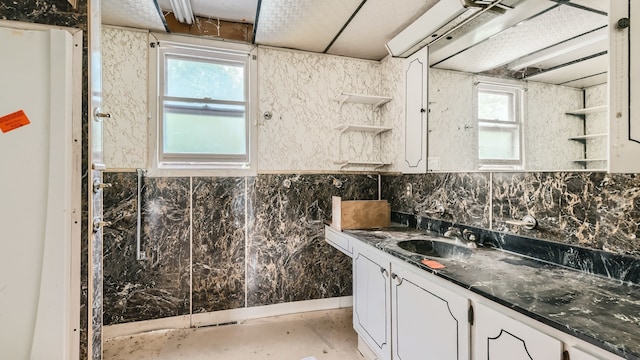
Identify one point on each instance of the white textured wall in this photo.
(125, 97)
(453, 136)
(392, 84)
(300, 90)
(597, 123)
(548, 128)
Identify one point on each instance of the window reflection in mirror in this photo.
(499, 126)
(556, 53)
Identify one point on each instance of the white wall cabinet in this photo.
(416, 74)
(624, 91)
(428, 321)
(499, 337)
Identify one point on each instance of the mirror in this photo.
(522, 87)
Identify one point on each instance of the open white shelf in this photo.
(363, 99)
(365, 128)
(588, 160)
(590, 110)
(588, 137)
(374, 164)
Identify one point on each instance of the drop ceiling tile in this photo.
(140, 14)
(569, 73)
(302, 24)
(552, 27)
(577, 48)
(589, 81)
(377, 22)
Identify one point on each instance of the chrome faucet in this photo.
(453, 232)
(467, 237)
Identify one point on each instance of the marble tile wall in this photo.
(158, 286)
(61, 13)
(463, 196)
(218, 243)
(593, 210)
(286, 258)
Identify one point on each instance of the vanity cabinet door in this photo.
(428, 321)
(499, 337)
(371, 301)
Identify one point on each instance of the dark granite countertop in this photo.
(598, 310)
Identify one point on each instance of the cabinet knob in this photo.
(397, 278)
(383, 271)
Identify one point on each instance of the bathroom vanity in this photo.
(417, 295)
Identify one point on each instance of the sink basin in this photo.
(433, 248)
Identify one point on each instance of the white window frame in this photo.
(200, 165)
(517, 91)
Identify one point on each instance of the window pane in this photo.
(495, 106)
(201, 79)
(498, 143)
(204, 132)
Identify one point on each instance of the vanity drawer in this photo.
(338, 240)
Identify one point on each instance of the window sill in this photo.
(176, 170)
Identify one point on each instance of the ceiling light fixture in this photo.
(451, 14)
(182, 11)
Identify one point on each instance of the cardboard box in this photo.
(359, 214)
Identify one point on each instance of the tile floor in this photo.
(323, 335)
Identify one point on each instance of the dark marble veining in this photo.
(218, 244)
(288, 259)
(596, 210)
(613, 266)
(463, 196)
(601, 311)
(96, 279)
(158, 286)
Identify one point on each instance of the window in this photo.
(499, 126)
(204, 106)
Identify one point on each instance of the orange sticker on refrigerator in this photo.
(13, 121)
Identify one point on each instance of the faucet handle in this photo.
(469, 235)
(528, 222)
(453, 232)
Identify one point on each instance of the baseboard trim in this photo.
(225, 316)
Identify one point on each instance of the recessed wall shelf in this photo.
(374, 164)
(587, 117)
(588, 160)
(585, 111)
(364, 128)
(374, 100)
(587, 137)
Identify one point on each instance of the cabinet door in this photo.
(499, 337)
(416, 73)
(371, 301)
(428, 321)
